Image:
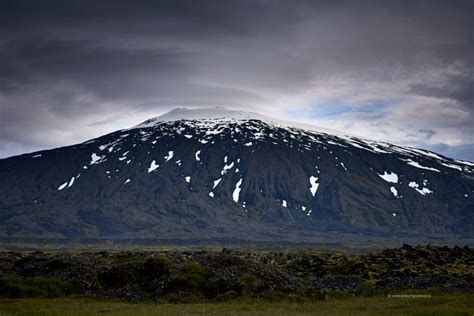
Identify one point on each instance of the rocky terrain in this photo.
(231, 175)
(203, 275)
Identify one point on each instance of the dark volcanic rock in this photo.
(223, 275)
(235, 177)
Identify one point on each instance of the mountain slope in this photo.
(207, 174)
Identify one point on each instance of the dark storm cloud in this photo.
(424, 134)
(458, 87)
(85, 62)
(69, 68)
(427, 132)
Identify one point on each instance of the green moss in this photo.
(191, 279)
(249, 283)
(18, 286)
(193, 268)
(368, 288)
(124, 257)
(157, 266)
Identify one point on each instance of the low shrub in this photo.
(123, 257)
(15, 286)
(368, 288)
(249, 283)
(115, 277)
(216, 286)
(58, 265)
(191, 279)
(156, 266)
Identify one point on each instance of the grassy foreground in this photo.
(443, 304)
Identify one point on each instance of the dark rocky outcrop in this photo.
(183, 276)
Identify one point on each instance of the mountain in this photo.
(217, 174)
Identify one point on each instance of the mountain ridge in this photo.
(226, 114)
(227, 178)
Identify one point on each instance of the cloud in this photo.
(389, 70)
(457, 87)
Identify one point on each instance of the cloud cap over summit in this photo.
(399, 71)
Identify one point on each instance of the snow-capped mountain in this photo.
(231, 175)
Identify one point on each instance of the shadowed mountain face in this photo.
(199, 175)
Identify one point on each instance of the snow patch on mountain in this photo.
(216, 119)
(95, 159)
(236, 193)
(227, 167)
(223, 114)
(216, 182)
(71, 182)
(343, 166)
(452, 166)
(417, 165)
(416, 186)
(153, 166)
(314, 185)
(169, 156)
(62, 186)
(391, 177)
(394, 191)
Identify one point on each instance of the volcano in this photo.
(218, 174)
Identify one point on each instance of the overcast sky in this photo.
(399, 71)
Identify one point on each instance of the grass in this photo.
(443, 304)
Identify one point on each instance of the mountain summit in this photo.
(217, 174)
(220, 113)
(204, 113)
